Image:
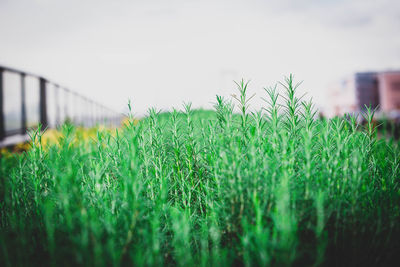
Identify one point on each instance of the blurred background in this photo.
(162, 53)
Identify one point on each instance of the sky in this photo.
(163, 53)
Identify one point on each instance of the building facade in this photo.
(389, 89)
(379, 90)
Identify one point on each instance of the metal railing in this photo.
(27, 100)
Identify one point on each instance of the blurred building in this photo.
(379, 90)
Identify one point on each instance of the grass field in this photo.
(206, 188)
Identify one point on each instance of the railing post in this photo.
(23, 105)
(43, 103)
(67, 102)
(93, 112)
(56, 89)
(2, 130)
(75, 106)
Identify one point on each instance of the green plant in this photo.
(275, 186)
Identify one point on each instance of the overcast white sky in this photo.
(161, 53)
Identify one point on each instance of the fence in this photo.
(27, 100)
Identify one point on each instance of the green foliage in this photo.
(207, 188)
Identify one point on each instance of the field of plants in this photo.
(227, 187)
